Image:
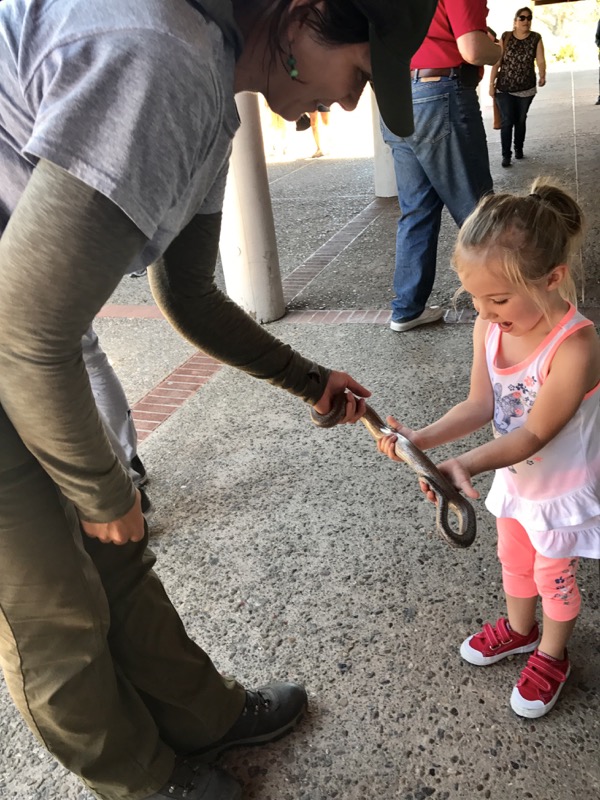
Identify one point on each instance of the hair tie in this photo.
(536, 196)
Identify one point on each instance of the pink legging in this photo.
(526, 573)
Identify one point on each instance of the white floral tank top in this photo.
(559, 486)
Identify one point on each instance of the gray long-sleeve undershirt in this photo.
(183, 285)
(62, 254)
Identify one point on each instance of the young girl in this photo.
(535, 375)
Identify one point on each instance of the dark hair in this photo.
(532, 234)
(521, 10)
(334, 22)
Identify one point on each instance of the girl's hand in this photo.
(128, 528)
(457, 475)
(542, 82)
(492, 90)
(387, 444)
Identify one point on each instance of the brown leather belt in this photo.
(446, 72)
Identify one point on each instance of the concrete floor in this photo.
(293, 552)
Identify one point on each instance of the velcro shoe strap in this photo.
(497, 634)
(538, 667)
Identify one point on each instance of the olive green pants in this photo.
(93, 652)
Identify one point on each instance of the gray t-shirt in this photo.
(132, 97)
(128, 104)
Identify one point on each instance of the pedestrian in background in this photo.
(513, 81)
(314, 120)
(319, 118)
(445, 161)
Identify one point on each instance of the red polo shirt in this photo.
(452, 19)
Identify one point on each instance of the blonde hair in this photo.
(532, 235)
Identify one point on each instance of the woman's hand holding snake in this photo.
(338, 383)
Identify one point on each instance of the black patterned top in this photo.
(517, 70)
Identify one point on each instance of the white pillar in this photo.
(384, 177)
(248, 246)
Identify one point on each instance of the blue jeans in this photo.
(443, 163)
(513, 113)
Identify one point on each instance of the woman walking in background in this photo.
(513, 81)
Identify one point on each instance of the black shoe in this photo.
(141, 476)
(518, 153)
(270, 712)
(597, 103)
(506, 161)
(199, 783)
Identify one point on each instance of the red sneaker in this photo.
(496, 642)
(539, 686)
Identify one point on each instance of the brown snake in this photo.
(447, 496)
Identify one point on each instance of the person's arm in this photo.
(495, 69)
(540, 60)
(63, 252)
(182, 282)
(575, 370)
(461, 420)
(477, 48)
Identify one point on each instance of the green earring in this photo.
(291, 62)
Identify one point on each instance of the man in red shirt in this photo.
(445, 161)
